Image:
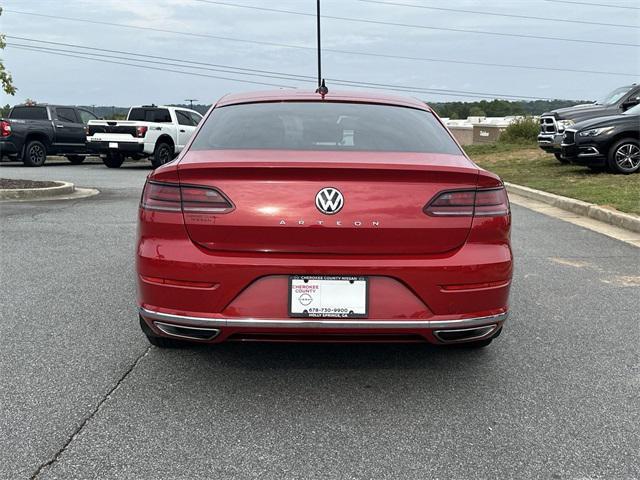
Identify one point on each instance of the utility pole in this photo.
(191, 100)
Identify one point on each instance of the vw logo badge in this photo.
(329, 200)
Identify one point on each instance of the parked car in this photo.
(296, 216)
(156, 132)
(33, 131)
(609, 142)
(554, 123)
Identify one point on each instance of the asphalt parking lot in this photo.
(84, 396)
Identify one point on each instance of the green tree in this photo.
(5, 77)
(4, 111)
(476, 112)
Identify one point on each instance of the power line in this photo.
(250, 71)
(167, 62)
(38, 49)
(495, 14)
(426, 27)
(151, 56)
(607, 5)
(279, 75)
(341, 82)
(339, 51)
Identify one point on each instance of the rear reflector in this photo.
(169, 197)
(492, 202)
(179, 283)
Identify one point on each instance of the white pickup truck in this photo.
(156, 132)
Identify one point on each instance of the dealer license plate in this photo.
(328, 296)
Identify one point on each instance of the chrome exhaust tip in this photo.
(190, 333)
(465, 334)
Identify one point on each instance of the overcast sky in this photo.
(57, 79)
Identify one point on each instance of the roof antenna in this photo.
(322, 88)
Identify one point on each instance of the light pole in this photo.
(191, 100)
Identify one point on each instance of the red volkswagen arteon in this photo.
(349, 217)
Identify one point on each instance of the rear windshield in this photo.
(29, 113)
(324, 126)
(157, 115)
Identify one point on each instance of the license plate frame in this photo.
(359, 293)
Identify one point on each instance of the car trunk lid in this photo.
(274, 197)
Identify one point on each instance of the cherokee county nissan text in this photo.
(346, 217)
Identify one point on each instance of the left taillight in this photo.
(141, 131)
(5, 128)
(171, 197)
(484, 202)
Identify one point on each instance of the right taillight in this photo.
(171, 197)
(489, 202)
(5, 128)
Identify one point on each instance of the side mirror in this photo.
(631, 102)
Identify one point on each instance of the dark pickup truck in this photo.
(31, 132)
(554, 123)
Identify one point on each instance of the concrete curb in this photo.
(585, 209)
(62, 188)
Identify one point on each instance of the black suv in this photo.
(554, 123)
(33, 131)
(608, 142)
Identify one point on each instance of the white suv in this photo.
(157, 132)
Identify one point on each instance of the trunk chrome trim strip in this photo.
(316, 323)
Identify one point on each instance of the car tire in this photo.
(160, 342)
(35, 154)
(162, 154)
(624, 156)
(113, 160)
(76, 159)
(560, 158)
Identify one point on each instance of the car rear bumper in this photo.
(182, 326)
(320, 324)
(245, 296)
(7, 148)
(123, 147)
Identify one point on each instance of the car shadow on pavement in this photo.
(287, 356)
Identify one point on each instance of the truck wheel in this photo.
(76, 159)
(35, 154)
(560, 158)
(624, 156)
(113, 160)
(162, 154)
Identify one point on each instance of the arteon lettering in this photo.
(337, 223)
